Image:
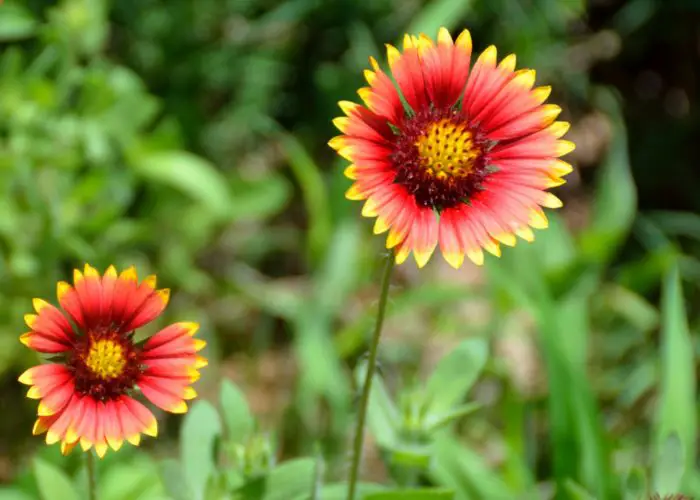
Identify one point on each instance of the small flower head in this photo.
(464, 161)
(87, 395)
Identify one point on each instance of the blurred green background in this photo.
(188, 137)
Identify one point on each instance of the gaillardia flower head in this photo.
(87, 394)
(452, 156)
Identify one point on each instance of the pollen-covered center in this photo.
(106, 359)
(440, 158)
(106, 364)
(446, 149)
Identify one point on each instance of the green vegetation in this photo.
(189, 138)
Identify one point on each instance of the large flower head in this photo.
(88, 394)
(452, 156)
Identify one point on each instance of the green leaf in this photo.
(13, 494)
(173, 480)
(259, 198)
(286, 482)
(238, 420)
(382, 414)
(635, 484)
(615, 204)
(456, 466)
(198, 438)
(676, 426)
(669, 466)
(339, 491)
(53, 483)
(310, 179)
(577, 492)
(129, 481)
(189, 174)
(16, 23)
(434, 422)
(455, 374)
(439, 13)
(421, 494)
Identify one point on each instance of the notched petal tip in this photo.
(507, 64)
(164, 295)
(551, 201)
(77, 276)
(564, 147)
(129, 274)
(34, 393)
(111, 272)
(347, 107)
(180, 407)
(454, 259)
(30, 320)
(150, 281)
(90, 272)
(101, 449)
(341, 123)
(338, 142)
(444, 36)
(464, 42)
(62, 288)
(476, 256)
(354, 193)
(392, 54)
(488, 57)
(26, 377)
(39, 304)
(26, 338)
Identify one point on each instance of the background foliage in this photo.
(189, 138)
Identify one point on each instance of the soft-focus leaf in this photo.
(455, 374)
(636, 484)
(422, 494)
(13, 494)
(189, 174)
(577, 492)
(340, 491)
(198, 436)
(53, 483)
(235, 411)
(439, 13)
(16, 22)
(174, 480)
(676, 421)
(382, 416)
(288, 481)
(132, 481)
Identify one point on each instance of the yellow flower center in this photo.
(447, 150)
(106, 359)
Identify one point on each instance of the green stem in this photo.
(371, 366)
(92, 478)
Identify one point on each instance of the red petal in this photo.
(57, 399)
(149, 310)
(58, 430)
(112, 427)
(408, 72)
(37, 373)
(148, 423)
(69, 301)
(51, 323)
(382, 98)
(128, 422)
(86, 428)
(163, 399)
(40, 343)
